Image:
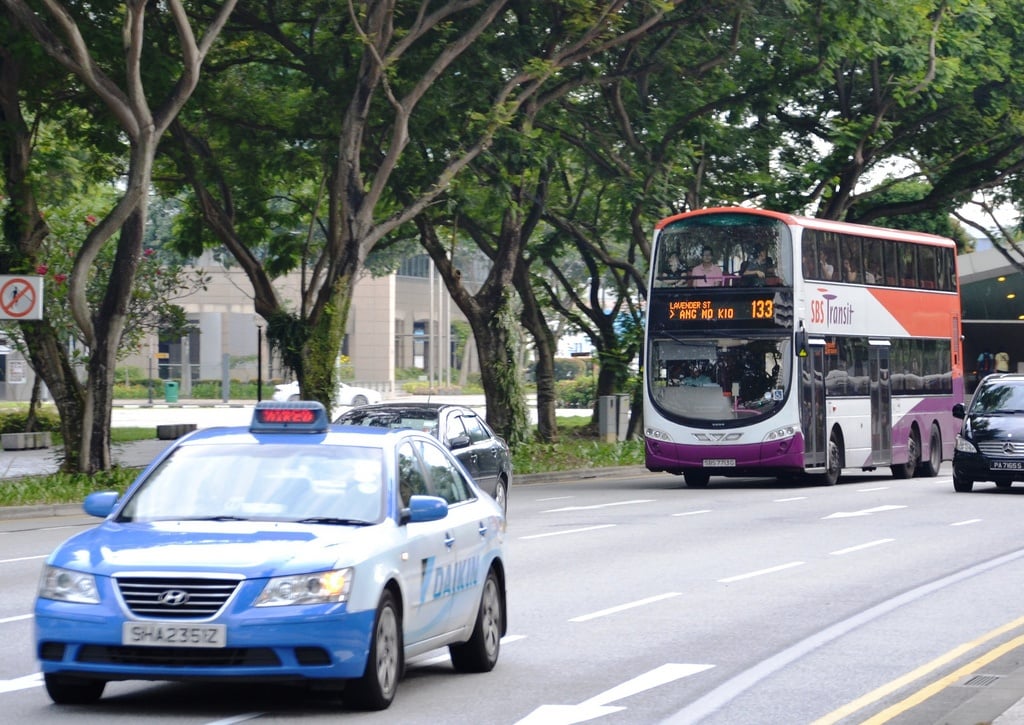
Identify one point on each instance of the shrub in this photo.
(578, 393)
(14, 421)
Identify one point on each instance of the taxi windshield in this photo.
(317, 484)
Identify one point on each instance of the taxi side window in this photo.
(445, 479)
(411, 480)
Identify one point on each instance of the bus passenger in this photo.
(753, 271)
(828, 271)
(675, 274)
(849, 273)
(707, 273)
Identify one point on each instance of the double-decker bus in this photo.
(779, 345)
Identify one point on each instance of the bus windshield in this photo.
(712, 381)
(724, 250)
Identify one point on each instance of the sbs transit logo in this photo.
(827, 311)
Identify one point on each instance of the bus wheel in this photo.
(930, 468)
(831, 475)
(906, 470)
(696, 479)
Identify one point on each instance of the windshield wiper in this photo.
(334, 521)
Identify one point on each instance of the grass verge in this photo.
(576, 449)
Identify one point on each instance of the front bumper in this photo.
(313, 642)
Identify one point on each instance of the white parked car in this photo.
(344, 395)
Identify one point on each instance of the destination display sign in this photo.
(720, 308)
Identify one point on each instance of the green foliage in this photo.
(14, 421)
(578, 393)
(61, 488)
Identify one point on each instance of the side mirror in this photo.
(459, 441)
(425, 508)
(100, 503)
(800, 342)
(958, 411)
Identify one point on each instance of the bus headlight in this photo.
(781, 434)
(658, 435)
(965, 446)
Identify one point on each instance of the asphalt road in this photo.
(633, 600)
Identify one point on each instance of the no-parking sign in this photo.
(21, 297)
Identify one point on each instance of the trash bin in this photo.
(171, 391)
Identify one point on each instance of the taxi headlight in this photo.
(319, 588)
(67, 585)
(965, 446)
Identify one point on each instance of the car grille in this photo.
(175, 597)
(178, 656)
(1002, 449)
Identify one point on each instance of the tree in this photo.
(448, 76)
(85, 413)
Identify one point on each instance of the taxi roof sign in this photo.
(298, 416)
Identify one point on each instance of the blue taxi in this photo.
(292, 550)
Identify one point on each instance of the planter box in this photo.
(25, 441)
(172, 431)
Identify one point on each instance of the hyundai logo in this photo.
(172, 597)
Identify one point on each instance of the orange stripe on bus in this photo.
(921, 314)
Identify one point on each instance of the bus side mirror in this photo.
(800, 342)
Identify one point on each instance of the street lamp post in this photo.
(259, 363)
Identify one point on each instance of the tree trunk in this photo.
(544, 347)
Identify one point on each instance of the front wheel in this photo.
(833, 464)
(69, 690)
(375, 690)
(962, 484)
(480, 653)
(696, 479)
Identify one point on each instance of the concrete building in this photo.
(400, 321)
(992, 299)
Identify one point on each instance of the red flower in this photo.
(149, 252)
(60, 278)
(90, 219)
(41, 269)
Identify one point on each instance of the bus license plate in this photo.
(719, 463)
(1007, 465)
(169, 634)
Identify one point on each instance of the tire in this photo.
(930, 468)
(833, 467)
(696, 479)
(375, 690)
(70, 690)
(501, 495)
(962, 484)
(359, 400)
(480, 653)
(906, 470)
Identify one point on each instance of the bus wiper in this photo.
(333, 520)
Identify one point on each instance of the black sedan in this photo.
(484, 453)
